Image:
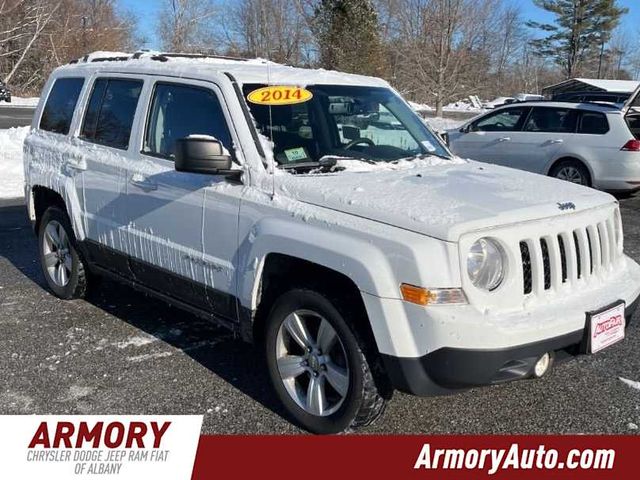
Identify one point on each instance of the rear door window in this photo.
(593, 123)
(111, 110)
(178, 111)
(507, 120)
(552, 120)
(61, 103)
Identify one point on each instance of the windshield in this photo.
(368, 123)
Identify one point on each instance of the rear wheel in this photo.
(61, 264)
(317, 366)
(572, 171)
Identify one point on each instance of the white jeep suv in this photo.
(592, 144)
(313, 213)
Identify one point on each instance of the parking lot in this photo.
(119, 352)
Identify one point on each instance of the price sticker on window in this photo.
(279, 95)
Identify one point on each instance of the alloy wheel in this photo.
(571, 174)
(312, 362)
(57, 253)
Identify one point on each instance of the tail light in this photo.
(631, 146)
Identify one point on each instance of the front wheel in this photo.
(317, 366)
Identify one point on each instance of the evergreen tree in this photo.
(347, 33)
(580, 31)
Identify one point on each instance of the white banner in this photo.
(99, 446)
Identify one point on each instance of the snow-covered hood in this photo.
(442, 198)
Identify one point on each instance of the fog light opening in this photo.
(543, 365)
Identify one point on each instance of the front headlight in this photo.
(486, 264)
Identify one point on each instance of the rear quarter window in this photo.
(61, 103)
(110, 112)
(593, 123)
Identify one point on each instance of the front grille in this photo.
(551, 260)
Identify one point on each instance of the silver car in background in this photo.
(593, 144)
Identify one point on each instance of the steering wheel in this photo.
(358, 141)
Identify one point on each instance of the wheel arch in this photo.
(41, 199)
(282, 272)
(573, 158)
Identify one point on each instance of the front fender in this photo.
(369, 268)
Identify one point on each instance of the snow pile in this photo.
(21, 102)
(12, 171)
(461, 106)
(420, 107)
(440, 124)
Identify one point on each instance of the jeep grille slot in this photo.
(526, 268)
(553, 260)
(563, 258)
(546, 263)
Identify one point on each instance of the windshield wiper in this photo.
(295, 166)
(421, 156)
(332, 160)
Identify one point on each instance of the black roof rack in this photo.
(160, 57)
(110, 59)
(163, 57)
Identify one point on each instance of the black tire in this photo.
(362, 404)
(571, 168)
(76, 285)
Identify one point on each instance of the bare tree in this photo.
(444, 52)
(273, 29)
(187, 26)
(19, 39)
(38, 35)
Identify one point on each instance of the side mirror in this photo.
(202, 154)
(466, 129)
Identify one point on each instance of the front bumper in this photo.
(449, 369)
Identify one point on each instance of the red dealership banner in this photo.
(438, 457)
(172, 448)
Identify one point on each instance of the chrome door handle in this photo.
(556, 141)
(504, 139)
(143, 183)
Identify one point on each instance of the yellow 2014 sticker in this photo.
(279, 95)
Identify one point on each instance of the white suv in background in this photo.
(325, 223)
(591, 144)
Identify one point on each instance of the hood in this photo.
(442, 198)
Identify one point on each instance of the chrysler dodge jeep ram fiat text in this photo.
(314, 214)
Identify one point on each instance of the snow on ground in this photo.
(461, 106)
(440, 124)
(420, 107)
(631, 383)
(21, 102)
(11, 169)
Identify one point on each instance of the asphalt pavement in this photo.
(120, 352)
(15, 116)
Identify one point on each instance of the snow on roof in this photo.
(592, 84)
(193, 66)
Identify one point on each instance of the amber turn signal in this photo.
(417, 295)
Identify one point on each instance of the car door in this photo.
(485, 139)
(545, 132)
(104, 146)
(182, 226)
